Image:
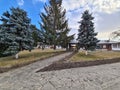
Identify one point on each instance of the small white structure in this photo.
(73, 45)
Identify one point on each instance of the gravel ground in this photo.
(102, 77)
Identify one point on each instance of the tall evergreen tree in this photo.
(54, 24)
(36, 34)
(16, 31)
(3, 43)
(86, 34)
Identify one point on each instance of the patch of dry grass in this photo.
(95, 55)
(27, 57)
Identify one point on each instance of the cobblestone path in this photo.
(102, 77)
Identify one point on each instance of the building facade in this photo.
(109, 45)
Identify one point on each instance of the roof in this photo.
(108, 42)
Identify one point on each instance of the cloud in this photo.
(106, 13)
(20, 2)
(107, 6)
(35, 1)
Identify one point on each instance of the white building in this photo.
(109, 45)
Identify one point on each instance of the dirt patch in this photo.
(68, 65)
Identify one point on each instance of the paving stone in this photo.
(102, 77)
(48, 86)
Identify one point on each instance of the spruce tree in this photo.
(54, 24)
(16, 31)
(86, 34)
(3, 42)
(36, 34)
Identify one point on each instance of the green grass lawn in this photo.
(94, 55)
(27, 57)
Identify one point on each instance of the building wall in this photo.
(116, 46)
(105, 46)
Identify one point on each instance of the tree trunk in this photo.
(17, 56)
(66, 48)
(86, 52)
(54, 47)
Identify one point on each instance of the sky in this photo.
(106, 13)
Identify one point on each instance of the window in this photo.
(118, 45)
(114, 45)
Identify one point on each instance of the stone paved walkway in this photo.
(103, 77)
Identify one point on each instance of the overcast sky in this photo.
(106, 13)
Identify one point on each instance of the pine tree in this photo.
(3, 43)
(54, 24)
(16, 31)
(36, 34)
(86, 34)
(64, 39)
